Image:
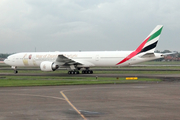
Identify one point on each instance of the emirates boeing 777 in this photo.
(75, 61)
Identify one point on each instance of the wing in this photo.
(65, 61)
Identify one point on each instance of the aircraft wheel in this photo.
(85, 72)
(73, 72)
(15, 71)
(69, 72)
(91, 72)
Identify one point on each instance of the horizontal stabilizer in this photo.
(172, 53)
(147, 55)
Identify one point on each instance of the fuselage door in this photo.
(97, 57)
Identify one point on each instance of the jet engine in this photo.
(48, 66)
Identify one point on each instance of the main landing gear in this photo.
(86, 71)
(73, 72)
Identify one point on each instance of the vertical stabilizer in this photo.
(152, 40)
(148, 45)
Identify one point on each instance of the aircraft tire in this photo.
(15, 71)
(73, 72)
(87, 72)
(91, 72)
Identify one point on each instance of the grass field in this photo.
(130, 71)
(52, 80)
(9, 81)
(97, 72)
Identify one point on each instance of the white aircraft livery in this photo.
(75, 61)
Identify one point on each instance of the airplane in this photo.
(76, 61)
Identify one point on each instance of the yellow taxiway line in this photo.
(73, 106)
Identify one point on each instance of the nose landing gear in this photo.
(15, 69)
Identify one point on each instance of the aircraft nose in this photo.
(6, 61)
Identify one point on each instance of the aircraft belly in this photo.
(107, 62)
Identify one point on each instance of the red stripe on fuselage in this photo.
(134, 53)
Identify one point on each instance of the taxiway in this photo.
(102, 102)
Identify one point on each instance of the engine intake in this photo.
(48, 66)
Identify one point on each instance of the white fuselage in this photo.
(104, 58)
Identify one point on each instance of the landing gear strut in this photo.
(87, 71)
(73, 70)
(15, 69)
(76, 71)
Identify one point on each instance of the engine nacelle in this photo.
(48, 66)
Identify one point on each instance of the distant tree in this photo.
(178, 54)
(4, 55)
(157, 51)
(166, 51)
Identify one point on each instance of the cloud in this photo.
(69, 25)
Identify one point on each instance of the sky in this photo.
(86, 25)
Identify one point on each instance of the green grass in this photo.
(9, 81)
(136, 72)
(96, 72)
(56, 81)
(110, 72)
